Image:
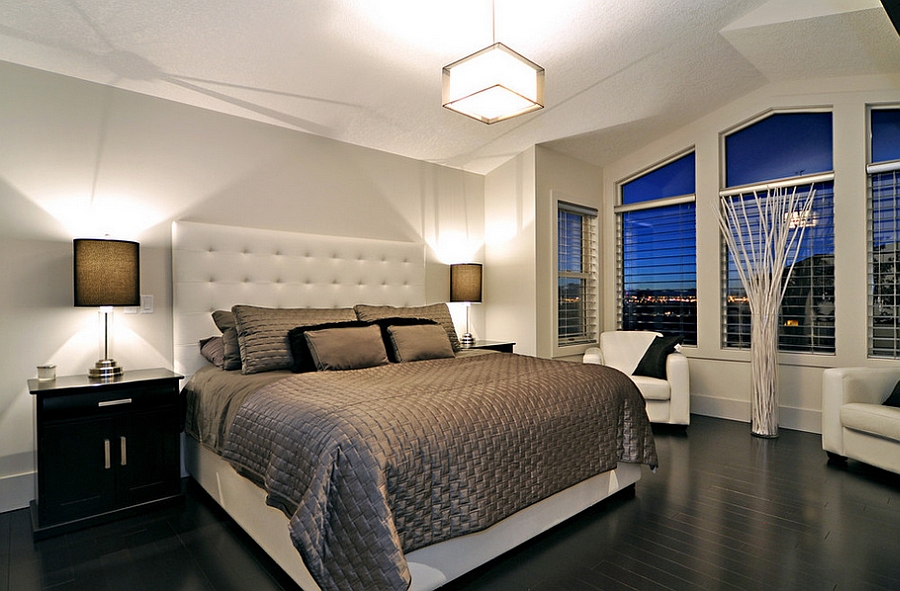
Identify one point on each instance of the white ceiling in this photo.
(619, 72)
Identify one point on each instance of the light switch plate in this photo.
(146, 304)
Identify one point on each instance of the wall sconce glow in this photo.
(119, 216)
(454, 246)
(493, 84)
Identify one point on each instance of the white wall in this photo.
(720, 379)
(510, 269)
(81, 160)
(520, 234)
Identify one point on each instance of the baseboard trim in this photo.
(16, 491)
(799, 419)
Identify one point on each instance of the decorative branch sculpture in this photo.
(763, 235)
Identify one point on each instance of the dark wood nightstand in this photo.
(502, 346)
(104, 449)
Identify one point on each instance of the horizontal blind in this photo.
(884, 228)
(577, 275)
(658, 270)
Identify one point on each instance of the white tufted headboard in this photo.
(215, 267)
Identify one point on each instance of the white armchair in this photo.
(855, 423)
(668, 400)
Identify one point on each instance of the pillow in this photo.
(213, 350)
(653, 363)
(346, 348)
(894, 398)
(440, 313)
(416, 342)
(624, 349)
(263, 333)
(386, 323)
(303, 360)
(224, 320)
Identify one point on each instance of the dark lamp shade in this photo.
(107, 273)
(465, 282)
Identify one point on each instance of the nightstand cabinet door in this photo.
(147, 449)
(77, 477)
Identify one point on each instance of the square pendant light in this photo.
(493, 84)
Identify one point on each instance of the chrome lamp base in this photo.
(467, 340)
(105, 369)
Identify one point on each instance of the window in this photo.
(577, 274)
(884, 232)
(791, 150)
(657, 251)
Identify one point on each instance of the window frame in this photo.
(799, 181)
(622, 208)
(874, 169)
(590, 250)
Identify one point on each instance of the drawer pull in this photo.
(107, 463)
(114, 402)
(123, 448)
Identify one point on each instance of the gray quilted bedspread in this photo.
(369, 464)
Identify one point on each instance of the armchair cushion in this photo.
(652, 388)
(875, 419)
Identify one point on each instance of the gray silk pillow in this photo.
(224, 320)
(440, 313)
(263, 333)
(419, 341)
(346, 348)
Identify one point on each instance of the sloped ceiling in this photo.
(619, 74)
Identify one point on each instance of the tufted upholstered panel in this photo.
(215, 267)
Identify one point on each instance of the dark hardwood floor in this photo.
(725, 511)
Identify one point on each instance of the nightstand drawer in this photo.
(109, 402)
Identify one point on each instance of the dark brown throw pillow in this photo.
(334, 349)
(440, 313)
(653, 363)
(213, 350)
(894, 398)
(303, 360)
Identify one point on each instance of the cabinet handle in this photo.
(107, 463)
(123, 447)
(114, 402)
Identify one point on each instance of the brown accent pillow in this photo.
(213, 350)
(346, 348)
(440, 313)
(263, 333)
(303, 360)
(386, 323)
(224, 320)
(416, 342)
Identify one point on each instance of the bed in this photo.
(396, 540)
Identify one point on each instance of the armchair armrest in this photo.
(842, 385)
(678, 376)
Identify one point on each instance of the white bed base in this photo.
(431, 566)
(215, 267)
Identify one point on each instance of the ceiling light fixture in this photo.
(493, 84)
